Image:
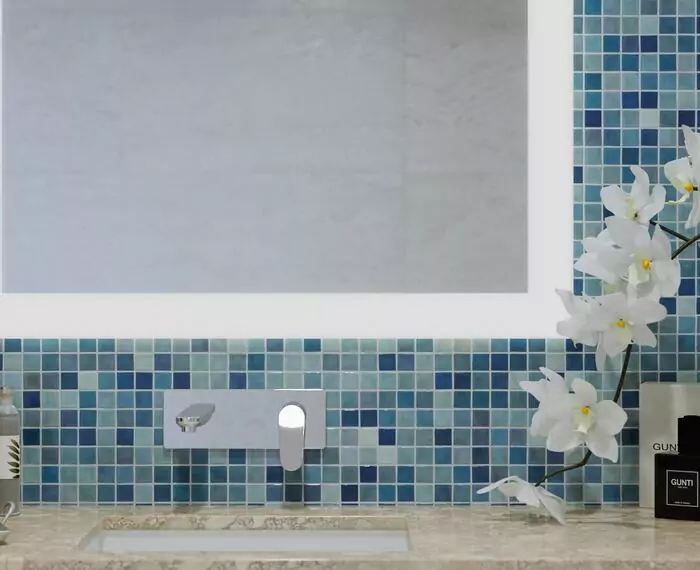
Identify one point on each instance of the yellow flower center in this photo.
(688, 187)
(585, 410)
(621, 323)
(646, 263)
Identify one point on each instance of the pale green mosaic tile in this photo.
(276, 381)
(367, 437)
(293, 362)
(368, 455)
(199, 380)
(388, 381)
(406, 381)
(424, 362)
(12, 362)
(332, 437)
(30, 473)
(236, 345)
(387, 455)
(444, 345)
(649, 25)
(687, 377)
(143, 345)
(313, 362)
(255, 494)
(217, 345)
(405, 418)
(330, 345)
(199, 362)
(349, 456)
(368, 345)
(125, 345)
(406, 455)
(143, 494)
(330, 494)
(350, 381)
(368, 381)
(349, 345)
(348, 437)
(218, 362)
(423, 494)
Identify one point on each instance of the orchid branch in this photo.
(639, 267)
(625, 364)
(669, 231)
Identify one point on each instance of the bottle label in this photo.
(682, 489)
(10, 457)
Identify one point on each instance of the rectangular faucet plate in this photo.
(242, 419)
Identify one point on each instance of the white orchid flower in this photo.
(602, 259)
(515, 487)
(543, 390)
(640, 204)
(621, 320)
(577, 327)
(684, 174)
(587, 421)
(651, 267)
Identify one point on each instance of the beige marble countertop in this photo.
(469, 538)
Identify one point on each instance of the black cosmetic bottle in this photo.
(677, 475)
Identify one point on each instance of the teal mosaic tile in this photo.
(424, 421)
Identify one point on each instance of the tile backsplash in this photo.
(409, 420)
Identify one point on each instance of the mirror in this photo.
(272, 147)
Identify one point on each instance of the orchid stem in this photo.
(685, 246)
(669, 231)
(581, 463)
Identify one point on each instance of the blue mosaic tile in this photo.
(409, 420)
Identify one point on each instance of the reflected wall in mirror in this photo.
(236, 146)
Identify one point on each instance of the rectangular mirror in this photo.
(352, 166)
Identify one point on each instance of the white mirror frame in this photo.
(532, 314)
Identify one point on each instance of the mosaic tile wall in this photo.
(410, 421)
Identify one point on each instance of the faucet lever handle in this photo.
(291, 424)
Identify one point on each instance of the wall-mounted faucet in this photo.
(194, 416)
(287, 420)
(291, 423)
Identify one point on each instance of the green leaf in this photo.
(14, 456)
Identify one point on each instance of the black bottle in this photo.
(677, 475)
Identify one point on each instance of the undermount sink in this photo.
(246, 534)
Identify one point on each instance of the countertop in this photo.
(468, 538)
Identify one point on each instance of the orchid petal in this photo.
(692, 141)
(528, 495)
(647, 311)
(655, 205)
(642, 335)
(668, 274)
(584, 392)
(600, 357)
(626, 233)
(609, 417)
(614, 199)
(563, 437)
(556, 381)
(554, 505)
(497, 484)
(602, 445)
(660, 244)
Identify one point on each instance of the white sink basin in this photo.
(131, 541)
